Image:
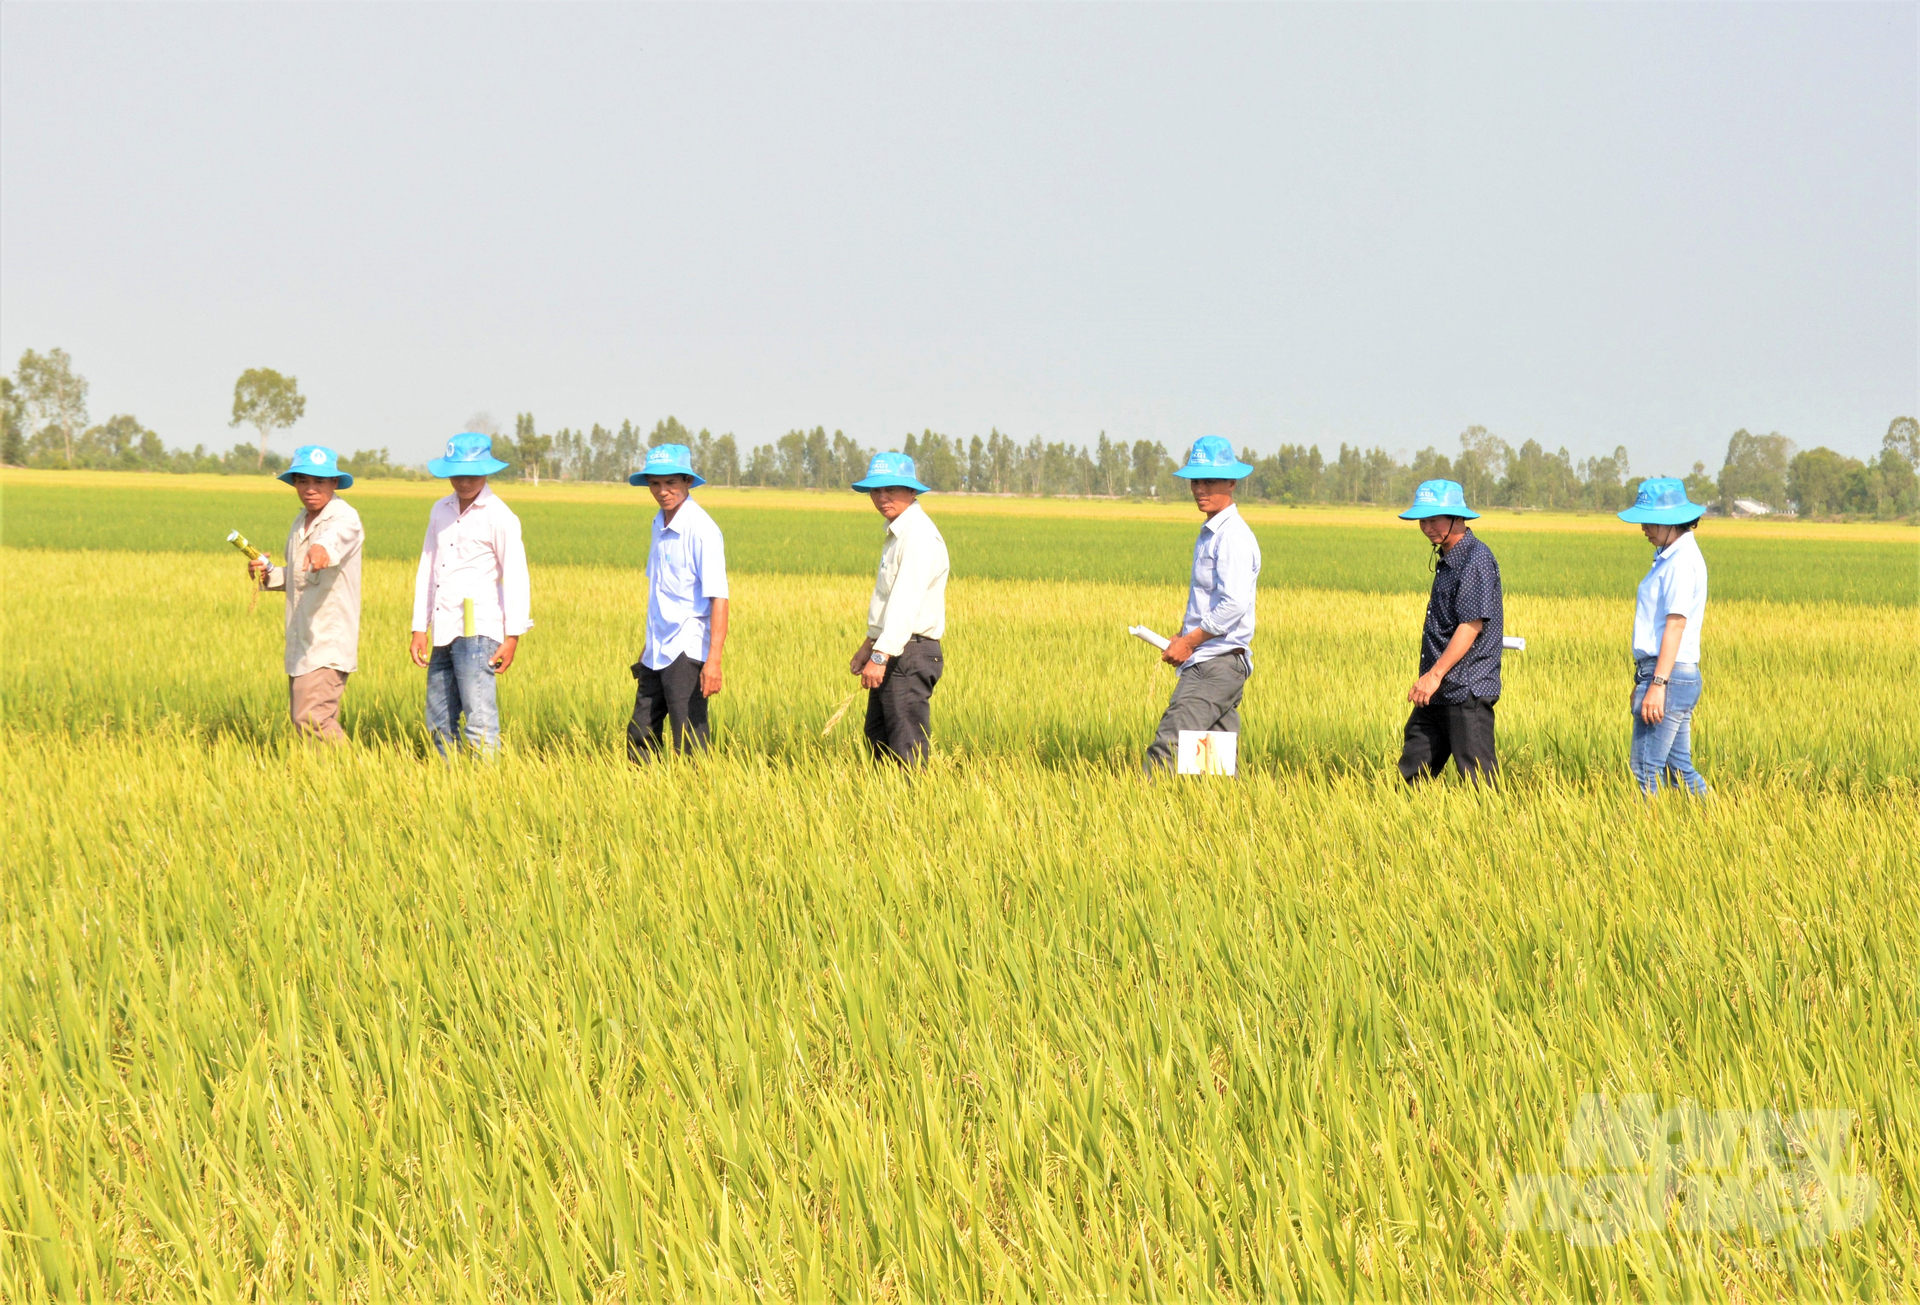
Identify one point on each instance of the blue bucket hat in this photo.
(1439, 498)
(468, 454)
(1662, 501)
(667, 460)
(317, 460)
(1211, 458)
(890, 469)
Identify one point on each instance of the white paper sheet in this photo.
(1207, 752)
(1145, 635)
(1514, 642)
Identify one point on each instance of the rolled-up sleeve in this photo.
(1236, 571)
(516, 587)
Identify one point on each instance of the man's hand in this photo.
(317, 559)
(710, 678)
(1425, 687)
(1653, 707)
(871, 676)
(422, 650)
(503, 657)
(258, 568)
(859, 662)
(1177, 652)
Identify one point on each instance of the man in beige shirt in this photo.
(322, 582)
(900, 661)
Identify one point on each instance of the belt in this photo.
(921, 638)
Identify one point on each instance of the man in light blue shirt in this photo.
(679, 669)
(1215, 648)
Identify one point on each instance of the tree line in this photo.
(44, 423)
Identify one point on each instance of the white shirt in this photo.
(1676, 585)
(323, 607)
(475, 555)
(686, 571)
(1226, 571)
(910, 593)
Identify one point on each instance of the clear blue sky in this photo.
(1591, 225)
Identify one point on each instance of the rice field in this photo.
(777, 1024)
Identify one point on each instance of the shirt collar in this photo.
(899, 523)
(1458, 553)
(1686, 537)
(325, 512)
(480, 500)
(1220, 518)
(688, 512)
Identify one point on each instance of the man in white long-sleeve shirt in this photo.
(473, 554)
(322, 582)
(900, 661)
(1215, 649)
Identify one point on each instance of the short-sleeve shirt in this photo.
(1466, 587)
(1676, 585)
(686, 571)
(323, 607)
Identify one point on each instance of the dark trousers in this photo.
(900, 711)
(670, 694)
(1461, 730)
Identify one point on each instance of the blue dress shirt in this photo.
(1226, 570)
(686, 571)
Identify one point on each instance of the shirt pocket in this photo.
(1204, 569)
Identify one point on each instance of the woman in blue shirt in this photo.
(1667, 615)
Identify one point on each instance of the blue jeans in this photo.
(1666, 749)
(460, 681)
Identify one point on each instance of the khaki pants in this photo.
(314, 699)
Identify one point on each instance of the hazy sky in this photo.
(1591, 225)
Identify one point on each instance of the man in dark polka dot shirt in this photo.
(1459, 647)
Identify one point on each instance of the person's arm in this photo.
(1234, 577)
(1429, 684)
(1653, 707)
(267, 575)
(421, 645)
(333, 545)
(516, 590)
(710, 678)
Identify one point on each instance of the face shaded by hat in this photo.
(1662, 501)
(468, 454)
(890, 469)
(667, 460)
(1212, 458)
(317, 460)
(1439, 498)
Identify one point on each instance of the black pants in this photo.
(900, 711)
(1461, 730)
(671, 693)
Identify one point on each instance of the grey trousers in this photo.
(1207, 698)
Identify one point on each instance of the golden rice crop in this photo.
(780, 1024)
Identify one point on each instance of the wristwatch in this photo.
(1660, 680)
(878, 659)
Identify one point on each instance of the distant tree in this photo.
(1903, 437)
(1818, 479)
(669, 431)
(725, 460)
(120, 442)
(55, 396)
(266, 401)
(13, 442)
(1700, 486)
(1482, 467)
(1756, 468)
(529, 447)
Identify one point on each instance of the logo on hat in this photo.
(1426, 494)
(316, 457)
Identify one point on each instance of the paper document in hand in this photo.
(1514, 642)
(1145, 635)
(1207, 752)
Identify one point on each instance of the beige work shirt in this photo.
(323, 607)
(910, 593)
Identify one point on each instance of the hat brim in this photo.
(1420, 512)
(342, 479)
(640, 477)
(882, 482)
(1231, 471)
(1663, 516)
(442, 468)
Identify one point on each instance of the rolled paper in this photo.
(1514, 642)
(466, 617)
(1145, 635)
